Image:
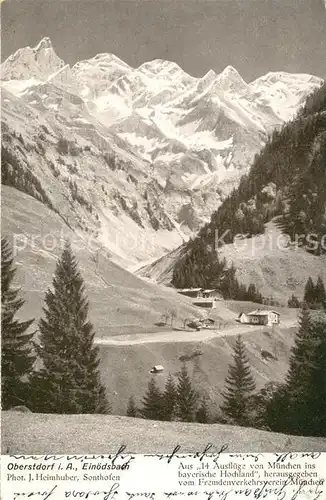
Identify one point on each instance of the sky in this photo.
(254, 36)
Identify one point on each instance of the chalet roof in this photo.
(158, 367)
(189, 289)
(209, 290)
(261, 312)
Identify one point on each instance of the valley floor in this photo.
(28, 433)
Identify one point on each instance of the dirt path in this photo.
(184, 336)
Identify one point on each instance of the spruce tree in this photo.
(266, 406)
(301, 353)
(319, 292)
(293, 302)
(187, 397)
(298, 379)
(131, 408)
(17, 356)
(251, 293)
(309, 292)
(169, 399)
(202, 412)
(315, 401)
(69, 380)
(152, 402)
(239, 387)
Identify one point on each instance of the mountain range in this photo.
(137, 158)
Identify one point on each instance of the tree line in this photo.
(314, 295)
(201, 266)
(179, 401)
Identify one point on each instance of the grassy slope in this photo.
(125, 368)
(119, 301)
(99, 434)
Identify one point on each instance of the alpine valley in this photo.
(137, 168)
(135, 158)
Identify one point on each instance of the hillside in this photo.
(98, 434)
(126, 361)
(125, 311)
(139, 157)
(119, 301)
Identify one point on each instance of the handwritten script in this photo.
(211, 473)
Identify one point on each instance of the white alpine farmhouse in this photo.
(260, 317)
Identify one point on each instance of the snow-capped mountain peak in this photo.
(101, 61)
(230, 80)
(162, 67)
(38, 62)
(45, 43)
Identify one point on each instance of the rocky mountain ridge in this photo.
(136, 158)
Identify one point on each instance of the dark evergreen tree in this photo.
(298, 380)
(301, 353)
(253, 295)
(309, 292)
(69, 380)
(271, 408)
(319, 292)
(293, 302)
(202, 415)
(187, 398)
(299, 405)
(315, 401)
(17, 356)
(169, 399)
(152, 408)
(239, 387)
(131, 408)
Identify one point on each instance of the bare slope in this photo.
(119, 301)
(99, 434)
(276, 266)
